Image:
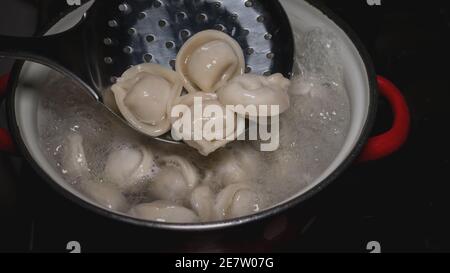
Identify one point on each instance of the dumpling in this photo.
(209, 140)
(145, 94)
(202, 202)
(256, 90)
(236, 200)
(218, 137)
(175, 180)
(239, 165)
(208, 60)
(189, 100)
(106, 195)
(74, 163)
(163, 211)
(187, 169)
(129, 167)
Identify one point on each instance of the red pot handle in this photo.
(3, 83)
(387, 143)
(6, 142)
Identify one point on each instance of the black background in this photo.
(401, 201)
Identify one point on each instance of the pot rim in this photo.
(366, 131)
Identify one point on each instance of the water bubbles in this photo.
(318, 56)
(75, 128)
(318, 119)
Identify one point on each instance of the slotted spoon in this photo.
(117, 34)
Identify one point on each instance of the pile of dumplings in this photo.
(210, 66)
(175, 190)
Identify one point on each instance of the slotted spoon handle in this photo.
(64, 52)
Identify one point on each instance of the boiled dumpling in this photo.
(189, 172)
(145, 94)
(164, 211)
(175, 180)
(189, 100)
(208, 60)
(236, 200)
(202, 202)
(129, 167)
(239, 165)
(256, 90)
(106, 195)
(206, 142)
(74, 163)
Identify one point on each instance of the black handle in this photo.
(64, 52)
(45, 50)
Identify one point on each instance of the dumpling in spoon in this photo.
(249, 89)
(199, 130)
(163, 211)
(236, 200)
(145, 94)
(129, 167)
(175, 180)
(208, 60)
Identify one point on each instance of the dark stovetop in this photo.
(401, 202)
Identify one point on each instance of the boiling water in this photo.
(312, 131)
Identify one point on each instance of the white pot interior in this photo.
(303, 16)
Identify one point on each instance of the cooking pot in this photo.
(22, 86)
